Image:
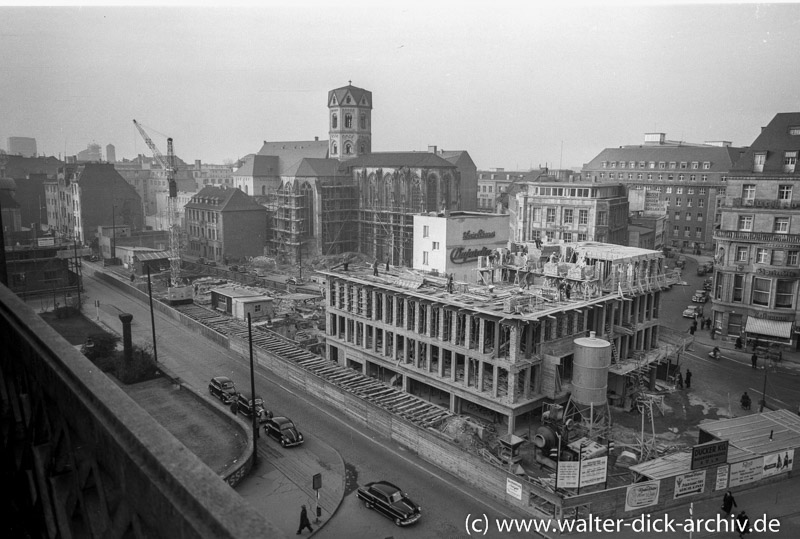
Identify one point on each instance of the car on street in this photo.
(222, 388)
(246, 405)
(390, 501)
(708, 283)
(691, 311)
(700, 296)
(701, 270)
(283, 430)
(681, 262)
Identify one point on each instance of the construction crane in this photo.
(176, 292)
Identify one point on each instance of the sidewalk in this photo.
(281, 481)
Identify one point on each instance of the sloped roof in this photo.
(361, 96)
(220, 199)
(459, 158)
(775, 140)
(314, 168)
(290, 152)
(720, 157)
(259, 166)
(399, 159)
(7, 202)
(19, 167)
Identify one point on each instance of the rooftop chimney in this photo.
(432, 149)
(316, 139)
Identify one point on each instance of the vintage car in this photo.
(708, 283)
(700, 296)
(681, 263)
(248, 406)
(222, 388)
(390, 501)
(701, 270)
(691, 311)
(283, 430)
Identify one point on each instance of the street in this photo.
(445, 500)
(721, 382)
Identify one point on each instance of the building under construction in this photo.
(504, 345)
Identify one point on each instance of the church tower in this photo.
(350, 122)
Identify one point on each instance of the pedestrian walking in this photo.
(450, 283)
(688, 379)
(738, 343)
(304, 522)
(742, 524)
(133, 277)
(679, 380)
(375, 268)
(728, 503)
(754, 360)
(692, 328)
(713, 332)
(387, 264)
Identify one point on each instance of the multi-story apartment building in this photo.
(758, 240)
(150, 180)
(89, 195)
(496, 350)
(688, 177)
(496, 182)
(224, 222)
(584, 211)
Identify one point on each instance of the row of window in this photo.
(348, 121)
(567, 216)
(698, 217)
(694, 165)
(789, 161)
(348, 148)
(687, 231)
(761, 291)
(202, 215)
(784, 192)
(763, 255)
(650, 177)
(200, 231)
(779, 226)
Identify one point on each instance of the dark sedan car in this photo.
(222, 388)
(283, 430)
(390, 501)
(247, 405)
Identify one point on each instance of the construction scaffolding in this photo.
(293, 219)
(339, 224)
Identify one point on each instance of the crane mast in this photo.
(176, 292)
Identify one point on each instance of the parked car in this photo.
(681, 262)
(691, 311)
(708, 283)
(701, 270)
(283, 430)
(389, 501)
(700, 296)
(222, 388)
(709, 266)
(246, 405)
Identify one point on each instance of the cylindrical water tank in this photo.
(591, 359)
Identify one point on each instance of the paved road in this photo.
(722, 382)
(446, 500)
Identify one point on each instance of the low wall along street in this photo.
(433, 447)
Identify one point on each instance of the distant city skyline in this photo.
(518, 87)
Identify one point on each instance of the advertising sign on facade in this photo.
(641, 495)
(47, 241)
(722, 478)
(709, 454)
(690, 484)
(778, 462)
(746, 471)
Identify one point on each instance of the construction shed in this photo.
(238, 302)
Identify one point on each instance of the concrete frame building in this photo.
(495, 348)
(24, 146)
(688, 176)
(758, 239)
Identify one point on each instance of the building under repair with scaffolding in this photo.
(504, 345)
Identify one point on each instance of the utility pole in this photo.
(152, 317)
(77, 273)
(764, 389)
(253, 390)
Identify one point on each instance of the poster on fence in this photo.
(642, 495)
(594, 471)
(690, 484)
(568, 474)
(747, 471)
(722, 478)
(779, 462)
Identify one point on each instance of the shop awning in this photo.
(771, 328)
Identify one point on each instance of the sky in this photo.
(518, 86)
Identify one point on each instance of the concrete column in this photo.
(428, 320)
(495, 381)
(482, 335)
(466, 371)
(512, 386)
(467, 329)
(529, 341)
(497, 340)
(455, 405)
(405, 383)
(441, 362)
(527, 389)
(454, 335)
(417, 309)
(513, 342)
(453, 364)
(512, 423)
(374, 313)
(384, 306)
(480, 375)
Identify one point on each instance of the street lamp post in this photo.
(253, 390)
(113, 231)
